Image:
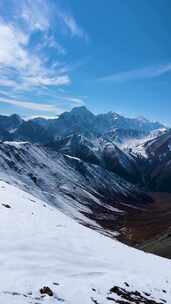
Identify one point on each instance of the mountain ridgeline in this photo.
(78, 121)
(132, 148)
(96, 139)
(99, 169)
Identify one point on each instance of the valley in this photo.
(84, 199)
(149, 229)
(85, 152)
(106, 171)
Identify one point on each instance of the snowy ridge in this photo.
(139, 146)
(81, 190)
(100, 151)
(42, 247)
(78, 120)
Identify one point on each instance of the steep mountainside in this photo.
(108, 172)
(87, 192)
(41, 247)
(159, 155)
(98, 150)
(107, 122)
(134, 149)
(10, 123)
(33, 132)
(153, 154)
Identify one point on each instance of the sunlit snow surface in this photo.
(138, 146)
(40, 246)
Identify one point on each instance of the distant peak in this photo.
(112, 115)
(142, 118)
(115, 115)
(15, 116)
(81, 109)
(82, 112)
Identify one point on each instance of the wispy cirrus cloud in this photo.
(29, 64)
(21, 68)
(71, 25)
(36, 14)
(71, 101)
(137, 74)
(31, 105)
(42, 14)
(77, 101)
(58, 103)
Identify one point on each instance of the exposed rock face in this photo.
(81, 189)
(10, 123)
(46, 291)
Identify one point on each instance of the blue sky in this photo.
(110, 55)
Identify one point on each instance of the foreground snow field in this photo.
(42, 247)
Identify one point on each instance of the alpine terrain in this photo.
(76, 192)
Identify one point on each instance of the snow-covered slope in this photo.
(81, 190)
(100, 151)
(139, 146)
(159, 155)
(42, 247)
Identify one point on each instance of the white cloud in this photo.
(42, 79)
(147, 72)
(73, 100)
(29, 69)
(43, 15)
(72, 26)
(27, 64)
(59, 103)
(7, 83)
(22, 67)
(31, 105)
(12, 51)
(61, 99)
(50, 42)
(26, 118)
(36, 14)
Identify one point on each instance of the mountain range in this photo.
(98, 169)
(78, 121)
(135, 149)
(73, 189)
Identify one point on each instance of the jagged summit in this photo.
(79, 120)
(79, 113)
(81, 110)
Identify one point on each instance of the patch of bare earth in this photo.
(149, 229)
